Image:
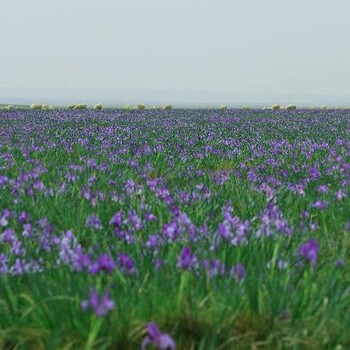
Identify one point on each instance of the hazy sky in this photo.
(235, 46)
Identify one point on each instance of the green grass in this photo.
(299, 307)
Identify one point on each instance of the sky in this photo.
(192, 49)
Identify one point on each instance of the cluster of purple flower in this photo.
(196, 193)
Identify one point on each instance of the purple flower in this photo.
(62, 188)
(313, 226)
(170, 231)
(272, 220)
(238, 271)
(3, 180)
(94, 222)
(186, 259)
(81, 260)
(126, 264)
(320, 204)
(323, 189)
(224, 232)
(309, 251)
(4, 269)
(8, 236)
(23, 217)
(17, 268)
(27, 230)
(267, 190)
(340, 195)
(135, 220)
(158, 263)
(104, 263)
(150, 217)
(161, 341)
(99, 305)
(314, 173)
(39, 185)
(153, 241)
(117, 219)
(4, 219)
(339, 263)
(71, 177)
(305, 214)
(214, 267)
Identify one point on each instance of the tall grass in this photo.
(229, 230)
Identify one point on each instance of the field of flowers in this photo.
(194, 229)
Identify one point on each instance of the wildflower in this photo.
(339, 263)
(272, 220)
(340, 195)
(27, 230)
(305, 214)
(153, 241)
(309, 251)
(81, 260)
(314, 173)
(3, 264)
(267, 190)
(135, 220)
(238, 271)
(320, 204)
(323, 189)
(104, 263)
(126, 264)
(8, 236)
(158, 263)
(62, 188)
(186, 259)
(214, 267)
(94, 222)
(162, 341)
(150, 217)
(4, 219)
(3, 180)
(117, 219)
(23, 217)
(300, 189)
(314, 226)
(17, 268)
(170, 231)
(99, 305)
(39, 185)
(224, 232)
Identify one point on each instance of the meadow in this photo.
(200, 229)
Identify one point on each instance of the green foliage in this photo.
(36, 107)
(98, 106)
(140, 106)
(80, 106)
(7, 108)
